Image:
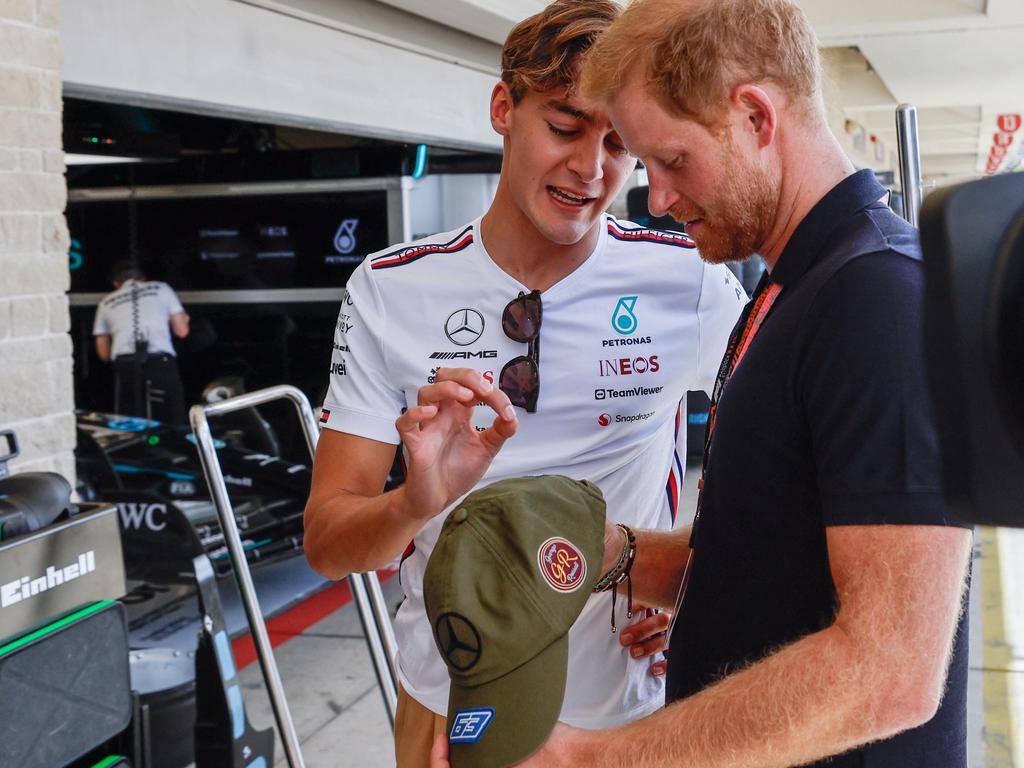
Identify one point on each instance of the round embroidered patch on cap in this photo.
(562, 564)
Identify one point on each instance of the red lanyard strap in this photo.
(757, 316)
(739, 343)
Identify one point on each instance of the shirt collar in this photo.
(850, 195)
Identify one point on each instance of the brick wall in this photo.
(36, 396)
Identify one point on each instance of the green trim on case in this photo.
(54, 627)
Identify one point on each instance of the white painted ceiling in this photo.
(957, 61)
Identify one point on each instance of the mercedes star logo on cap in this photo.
(464, 326)
(459, 640)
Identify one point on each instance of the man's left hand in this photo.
(648, 637)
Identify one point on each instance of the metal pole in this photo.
(909, 159)
(219, 493)
(384, 628)
(366, 590)
(383, 660)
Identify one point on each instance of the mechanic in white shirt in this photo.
(594, 327)
(133, 328)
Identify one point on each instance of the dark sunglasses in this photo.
(520, 378)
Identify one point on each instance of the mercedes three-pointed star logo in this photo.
(459, 641)
(464, 326)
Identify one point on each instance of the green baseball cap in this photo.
(513, 566)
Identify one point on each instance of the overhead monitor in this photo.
(256, 242)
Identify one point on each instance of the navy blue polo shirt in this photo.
(826, 421)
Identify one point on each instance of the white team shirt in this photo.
(156, 303)
(622, 339)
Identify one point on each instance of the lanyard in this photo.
(739, 342)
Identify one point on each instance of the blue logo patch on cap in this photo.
(469, 725)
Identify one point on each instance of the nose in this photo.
(587, 160)
(661, 198)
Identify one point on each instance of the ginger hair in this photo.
(691, 54)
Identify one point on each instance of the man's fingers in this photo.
(501, 405)
(468, 388)
(467, 377)
(414, 417)
(495, 435)
(646, 629)
(646, 648)
(483, 390)
(439, 752)
(433, 394)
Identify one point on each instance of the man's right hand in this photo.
(446, 455)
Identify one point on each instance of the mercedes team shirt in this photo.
(622, 339)
(152, 303)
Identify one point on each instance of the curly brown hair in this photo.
(544, 51)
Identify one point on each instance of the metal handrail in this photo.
(365, 587)
(909, 160)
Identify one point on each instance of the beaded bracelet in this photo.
(605, 581)
(621, 573)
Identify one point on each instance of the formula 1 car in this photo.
(176, 566)
(152, 471)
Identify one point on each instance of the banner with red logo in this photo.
(1002, 140)
(1009, 123)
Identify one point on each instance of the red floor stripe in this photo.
(297, 620)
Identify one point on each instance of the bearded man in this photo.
(819, 592)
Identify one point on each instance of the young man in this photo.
(133, 327)
(821, 583)
(594, 327)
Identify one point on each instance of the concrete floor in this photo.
(340, 718)
(997, 658)
(332, 693)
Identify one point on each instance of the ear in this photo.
(501, 108)
(759, 119)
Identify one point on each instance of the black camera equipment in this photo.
(973, 241)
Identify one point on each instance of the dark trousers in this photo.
(151, 390)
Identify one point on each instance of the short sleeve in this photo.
(862, 387)
(171, 301)
(721, 302)
(101, 325)
(361, 399)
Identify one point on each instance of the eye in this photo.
(561, 131)
(616, 147)
(675, 163)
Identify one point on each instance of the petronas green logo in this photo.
(623, 319)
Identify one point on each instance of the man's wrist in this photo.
(398, 504)
(615, 542)
(403, 507)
